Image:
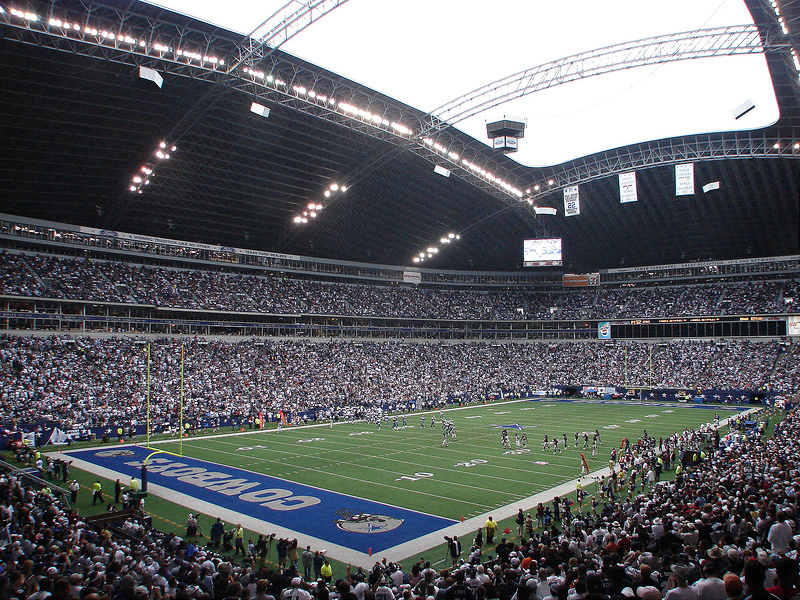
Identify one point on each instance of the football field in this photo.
(357, 486)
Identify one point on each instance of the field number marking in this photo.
(472, 463)
(416, 477)
(311, 440)
(610, 426)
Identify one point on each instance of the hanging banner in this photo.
(572, 205)
(627, 188)
(604, 330)
(793, 326)
(414, 277)
(684, 180)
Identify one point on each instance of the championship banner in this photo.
(627, 188)
(793, 326)
(684, 179)
(572, 204)
(604, 330)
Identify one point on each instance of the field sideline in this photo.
(409, 480)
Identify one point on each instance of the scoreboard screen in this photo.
(542, 253)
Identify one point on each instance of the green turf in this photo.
(473, 475)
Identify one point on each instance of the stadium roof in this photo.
(79, 123)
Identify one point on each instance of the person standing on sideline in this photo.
(319, 560)
(217, 530)
(491, 527)
(238, 539)
(520, 521)
(97, 492)
(307, 558)
(117, 491)
(74, 487)
(454, 546)
(326, 570)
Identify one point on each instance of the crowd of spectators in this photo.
(97, 280)
(100, 381)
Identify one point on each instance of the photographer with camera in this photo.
(191, 527)
(453, 548)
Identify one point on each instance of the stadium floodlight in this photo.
(416, 259)
(319, 207)
(444, 241)
(327, 193)
(451, 235)
(297, 219)
(344, 188)
(440, 170)
(312, 206)
(312, 214)
(334, 186)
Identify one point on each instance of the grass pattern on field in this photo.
(409, 468)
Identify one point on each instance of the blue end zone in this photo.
(336, 518)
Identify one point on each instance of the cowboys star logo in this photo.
(358, 522)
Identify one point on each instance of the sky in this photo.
(426, 53)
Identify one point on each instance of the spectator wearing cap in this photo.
(710, 586)
(140, 592)
(718, 557)
(645, 579)
(648, 592)
(733, 586)
(296, 591)
(680, 580)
